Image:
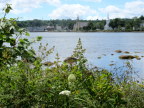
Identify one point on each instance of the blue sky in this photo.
(70, 9)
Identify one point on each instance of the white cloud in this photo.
(53, 2)
(134, 4)
(21, 6)
(131, 9)
(72, 11)
(93, 0)
(63, 11)
(110, 9)
(2, 5)
(86, 0)
(135, 7)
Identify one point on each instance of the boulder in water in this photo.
(126, 52)
(111, 64)
(70, 60)
(48, 63)
(118, 51)
(127, 57)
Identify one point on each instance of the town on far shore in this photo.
(77, 25)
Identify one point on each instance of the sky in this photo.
(70, 9)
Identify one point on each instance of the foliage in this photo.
(65, 85)
(61, 85)
(133, 24)
(12, 45)
(38, 23)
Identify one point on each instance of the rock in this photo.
(70, 60)
(127, 57)
(48, 63)
(111, 64)
(138, 58)
(99, 57)
(126, 52)
(118, 51)
(112, 54)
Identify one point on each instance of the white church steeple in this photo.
(107, 27)
(108, 16)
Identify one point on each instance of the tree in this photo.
(136, 23)
(128, 27)
(116, 23)
(141, 17)
(14, 48)
(112, 24)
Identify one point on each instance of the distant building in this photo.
(107, 27)
(122, 28)
(58, 28)
(50, 28)
(142, 24)
(79, 25)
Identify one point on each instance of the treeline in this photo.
(117, 24)
(134, 24)
(38, 23)
(92, 25)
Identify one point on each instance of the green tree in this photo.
(116, 23)
(142, 17)
(112, 24)
(128, 27)
(136, 23)
(12, 46)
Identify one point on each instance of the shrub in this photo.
(26, 83)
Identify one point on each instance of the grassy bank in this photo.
(27, 82)
(68, 84)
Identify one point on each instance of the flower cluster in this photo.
(65, 92)
(71, 78)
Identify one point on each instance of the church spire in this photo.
(77, 17)
(77, 23)
(108, 16)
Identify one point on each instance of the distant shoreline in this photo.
(90, 31)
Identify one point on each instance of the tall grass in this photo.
(69, 84)
(26, 83)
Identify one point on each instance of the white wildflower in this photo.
(71, 78)
(65, 92)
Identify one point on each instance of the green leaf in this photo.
(8, 8)
(21, 40)
(39, 38)
(13, 42)
(27, 34)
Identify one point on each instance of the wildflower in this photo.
(71, 78)
(65, 92)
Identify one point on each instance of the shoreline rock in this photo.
(118, 51)
(126, 52)
(127, 57)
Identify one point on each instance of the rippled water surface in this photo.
(97, 45)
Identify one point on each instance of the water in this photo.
(97, 45)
